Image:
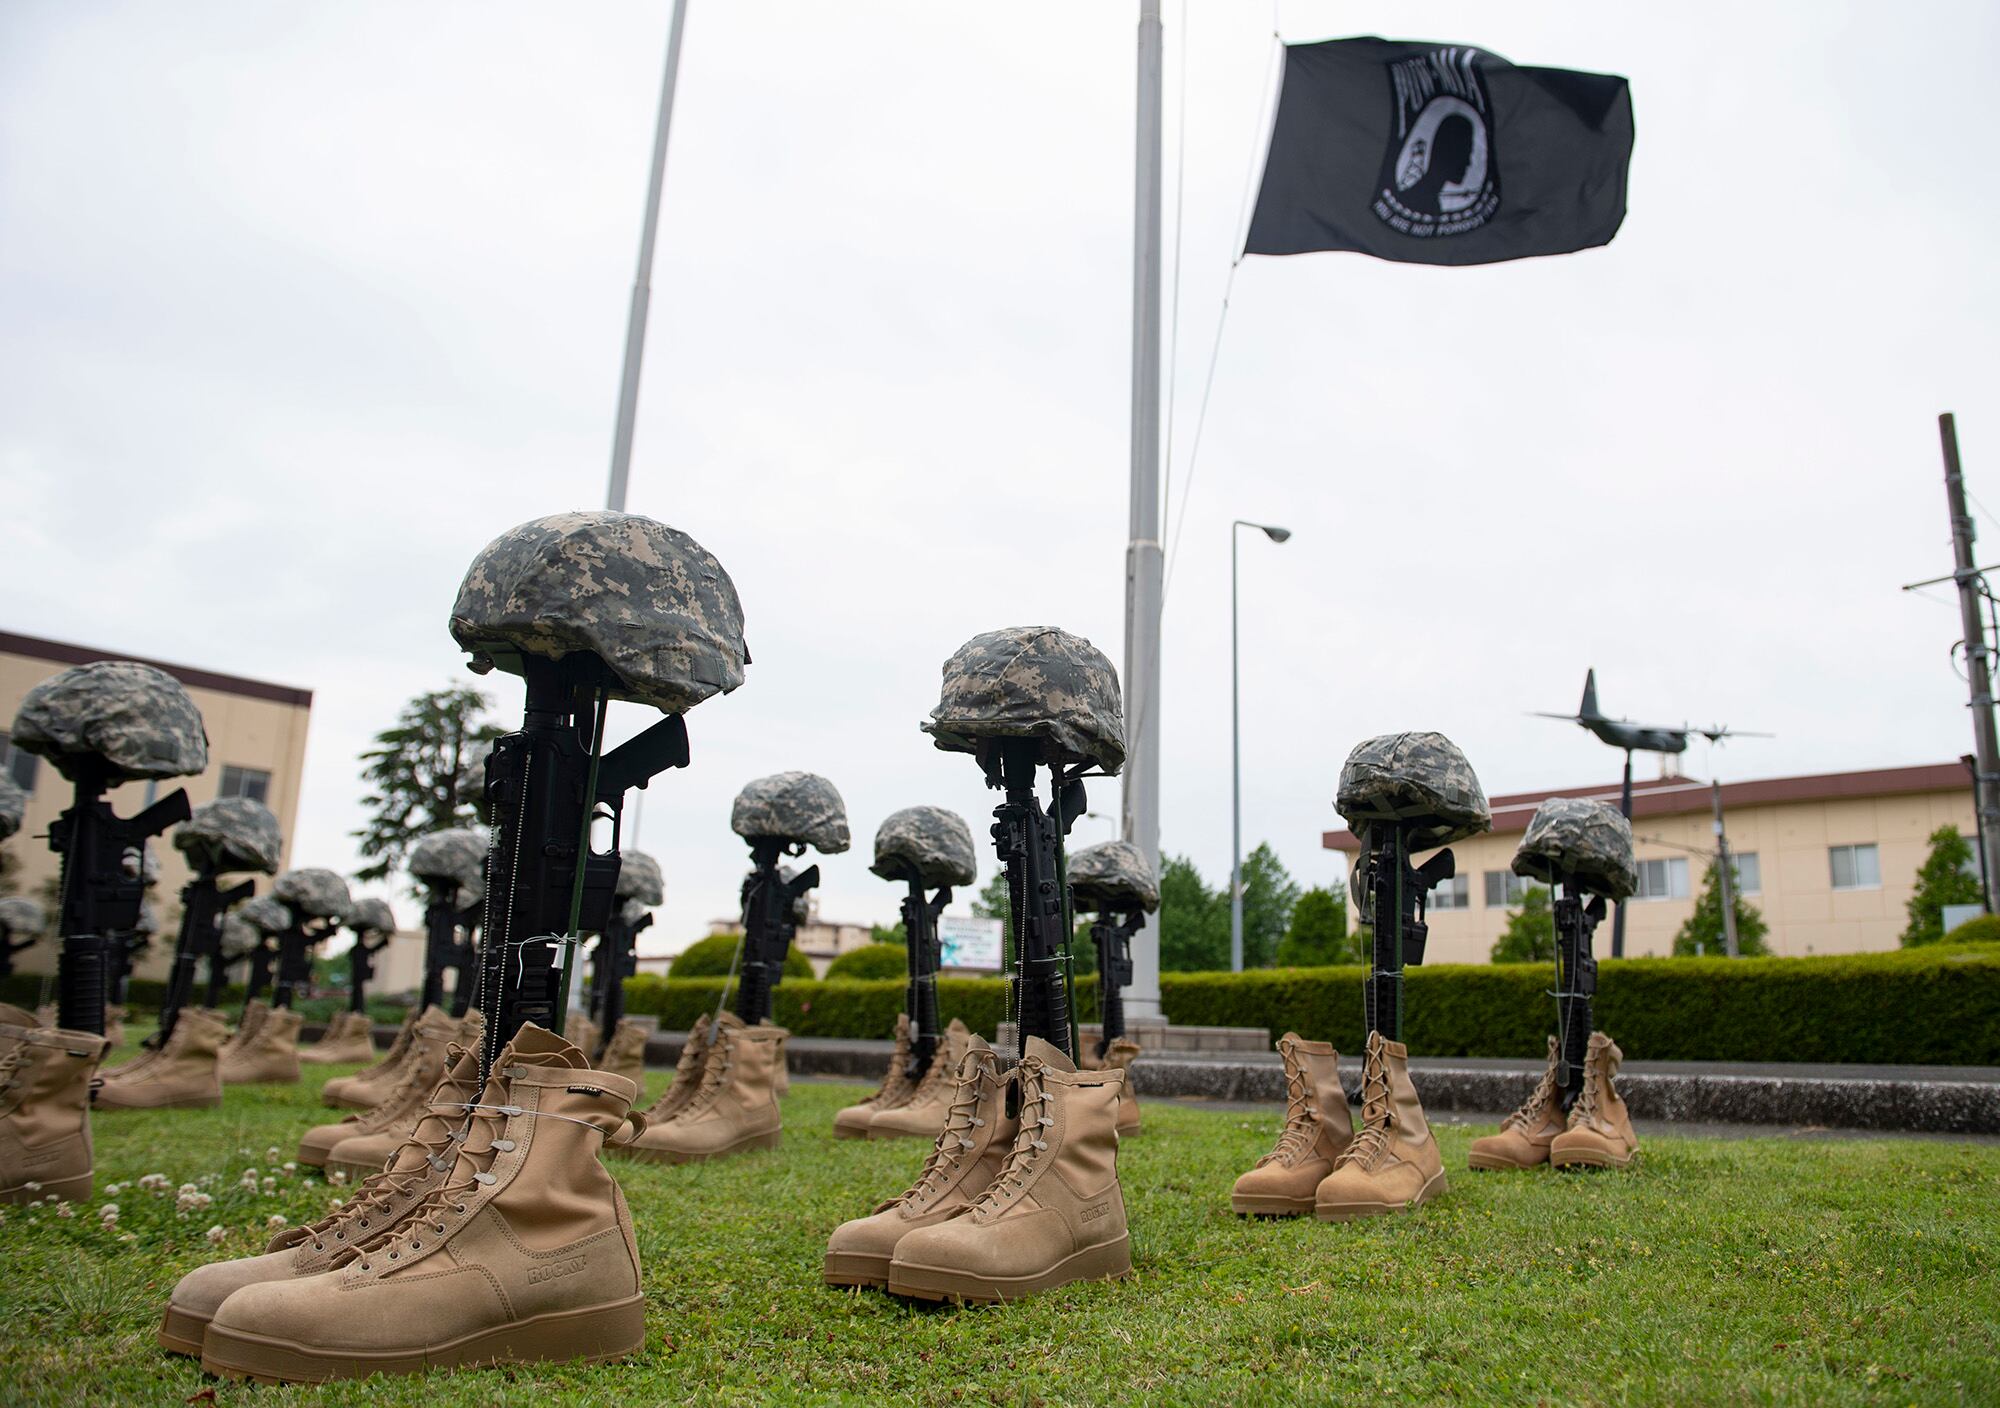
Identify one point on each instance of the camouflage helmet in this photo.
(314, 893)
(240, 935)
(639, 879)
(1113, 875)
(369, 915)
(231, 833)
(13, 806)
(1590, 840)
(631, 912)
(932, 843)
(1032, 682)
(134, 719)
(265, 914)
(649, 601)
(21, 916)
(148, 922)
(457, 854)
(792, 806)
(1420, 780)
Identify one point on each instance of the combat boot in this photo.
(270, 1056)
(525, 1254)
(45, 1115)
(114, 1025)
(1393, 1164)
(923, 1114)
(180, 1074)
(15, 1024)
(349, 1039)
(365, 1151)
(896, 1089)
(963, 1162)
(430, 1052)
(1600, 1127)
(687, 1077)
(1052, 1214)
(247, 1022)
(582, 1033)
(735, 1107)
(1318, 1129)
(1525, 1135)
(375, 1207)
(1119, 1057)
(366, 1088)
(626, 1055)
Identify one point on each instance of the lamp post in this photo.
(1276, 535)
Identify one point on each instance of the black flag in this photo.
(1440, 154)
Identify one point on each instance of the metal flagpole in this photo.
(1141, 803)
(1978, 653)
(642, 283)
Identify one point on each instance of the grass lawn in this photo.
(1762, 1271)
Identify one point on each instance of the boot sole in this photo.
(1354, 1212)
(181, 1332)
(680, 1156)
(68, 1190)
(1593, 1159)
(893, 1133)
(587, 1336)
(1490, 1164)
(199, 1102)
(856, 1269)
(1108, 1262)
(861, 1133)
(1269, 1205)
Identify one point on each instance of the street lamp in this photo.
(1276, 535)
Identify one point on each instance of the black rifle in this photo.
(258, 979)
(617, 959)
(441, 943)
(544, 870)
(102, 884)
(1576, 982)
(1397, 892)
(9, 946)
(463, 960)
(1112, 933)
(768, 925)
(295, 957)
(203, 903)
(361, 967)
(920, 918)
(1030, 845)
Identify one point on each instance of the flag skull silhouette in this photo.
(1440, 175)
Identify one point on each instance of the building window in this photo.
(1455, 893)
(1662, 879)
(1505, 888)
(253, 783)
(19, 766)
(1855, 867)
(1749, 873)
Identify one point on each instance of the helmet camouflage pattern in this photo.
(1032, 682)
(13, 807)
(792, 806)
(313, 893)
(231, 833)
(639, 879)
(369, 915)
(135, 719)
(649, 601)
(933, 843)
(21, 916)
(1113, 875)
(1420, 780)
(1590, 840)
(457, 854)
(266, 914)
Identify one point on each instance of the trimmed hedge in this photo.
(1938, 1005)
(1983, 930)
(872, 963)
(711, 958)
(143, 997)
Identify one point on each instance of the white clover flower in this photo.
(65, 1210)
(270, 1185)
(291, 1168)
(275, 1221)
(156, 1183)
(187, 1188)
(108, 1210)
(112, 1190)
(32, 1186)
(128, 1236)
(217, 1234)
(337, 1179)
(336, 1202)
(273, 1154)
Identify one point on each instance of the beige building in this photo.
(820, 940)
(256, 748)
(1830, 860)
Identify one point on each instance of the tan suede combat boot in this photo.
(582, 1033)
(1393, 1164)
(896, 1089)
(247, 1021)
(1525, 1135)
(1600, 1127)
(45, 1115)
(376, 1207)
(626, 1055)
(366, 1088)
(114, 1025)
(430, 1051)
(1119, 1057)
(182, 1074)
(367, 1150)
(1053, 1214)
(962, 1163)
(15, 1024)
(687, 1076)
(347, 1040)
(923, 1114)
(270, 1056)
(735, 1107)
(1318, 1129)
(525, 1254)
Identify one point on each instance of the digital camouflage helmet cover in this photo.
(133, 720)
(1032, 682)
(231, 834)
(792, 806)
(313, 893)
(1420, 780)
(1113, 875)
(1589, 840)
(934, 843)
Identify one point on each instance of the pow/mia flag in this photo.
(1440, 154)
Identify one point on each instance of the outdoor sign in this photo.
(966, 942)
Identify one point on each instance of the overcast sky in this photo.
(304, 303)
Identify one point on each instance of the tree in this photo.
(1947, 876)
(1704, 926)
(412, 772)
(1194, 920)
(996, 901)
(1530, 935)
(1317, 936)
(1269, 892)
(889, 934)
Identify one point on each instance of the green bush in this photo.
(711, 957)
(1985, 929)
(143, 997)
(1938, 1005)
(871, 963)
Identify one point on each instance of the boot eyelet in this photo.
(440, 1229)
(395, 1256)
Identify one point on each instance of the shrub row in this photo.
(144, 996)
(1930, 1006)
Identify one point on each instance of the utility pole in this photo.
(1978, 664)
(1724, 872)
(1143, 557)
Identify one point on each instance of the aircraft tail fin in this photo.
(1588, 709)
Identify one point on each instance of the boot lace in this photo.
(694, 1054)
(954, 1143)
(1028, 1144)
(1301, 1115)
(1528, 1114)
(1596, 1067)
(897, 1076)
(10, 1069)
(1376, 1115)
(714, 1072)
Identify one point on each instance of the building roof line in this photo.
(63, 653)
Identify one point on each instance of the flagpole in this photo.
(1141, 802)
(642, 283)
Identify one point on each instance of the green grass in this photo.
(1762, 1271)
